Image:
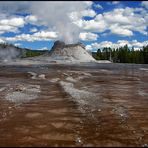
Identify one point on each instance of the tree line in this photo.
(123, 55)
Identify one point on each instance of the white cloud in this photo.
(17, 44)
(38, 36)
(57, 16)
(54, 15)
(41, 36)
(145, 4)
(127, 20)
(95, 26)
(11, 24)
(137, 44)
(31, 19)
(88, 36)
(113, 3)
(88, 47)
(77, 15)
(116, 16)
(44, 34)
(44, 48)
(120, 21)
(145, 43)
(88, 12)
(102, 44)
(98, 6)
(33, 30)
(115, 29)
(120, 43)
(7, 28)
(16, 22)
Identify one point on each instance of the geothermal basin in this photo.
(89, 104)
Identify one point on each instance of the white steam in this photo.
(55, 15)
(8, 53)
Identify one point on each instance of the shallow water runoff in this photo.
(74, 105)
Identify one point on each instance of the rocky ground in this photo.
(74, 105)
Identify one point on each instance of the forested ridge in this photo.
(123, 55)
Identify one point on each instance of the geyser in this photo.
(70, 52)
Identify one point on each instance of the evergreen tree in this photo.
(123, 55)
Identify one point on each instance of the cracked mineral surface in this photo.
(91, 104)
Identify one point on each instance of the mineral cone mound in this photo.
(70, 52)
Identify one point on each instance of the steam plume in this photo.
(55, 15)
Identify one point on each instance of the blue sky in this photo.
(97, 24)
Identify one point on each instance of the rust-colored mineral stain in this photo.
(115, 115)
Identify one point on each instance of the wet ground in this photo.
(71, 105)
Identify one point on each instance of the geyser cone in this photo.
(71, 52)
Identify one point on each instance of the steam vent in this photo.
(70, 52)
